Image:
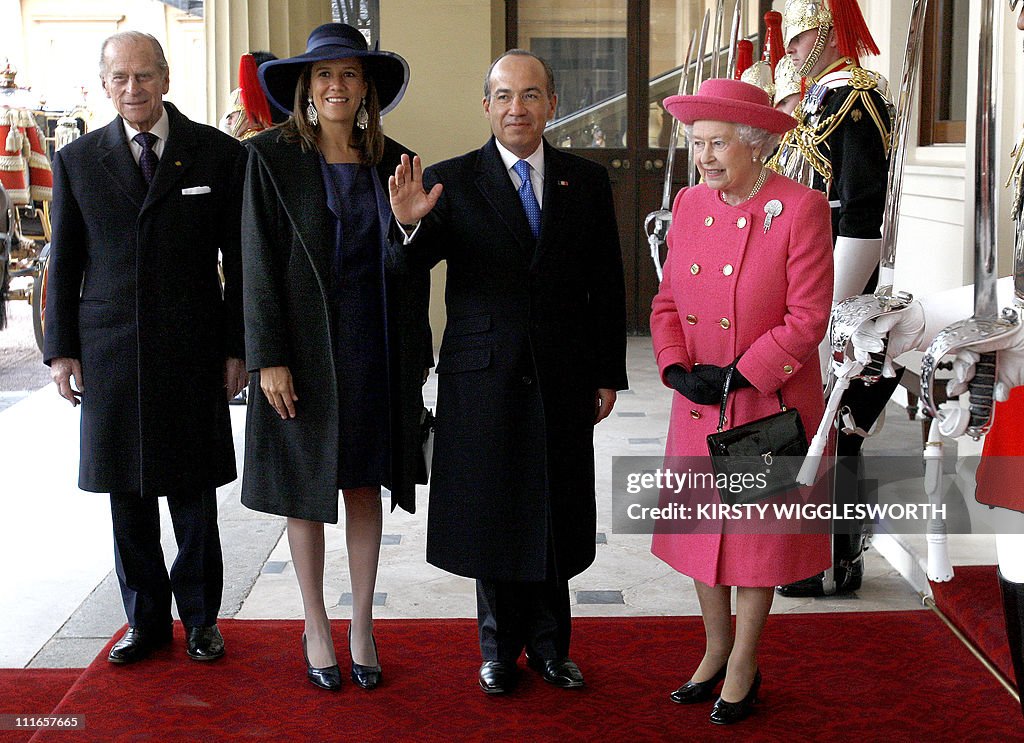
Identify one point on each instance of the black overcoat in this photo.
(291, 467)
(534, 328)
(134, 293)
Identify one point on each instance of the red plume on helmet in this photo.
(853, 37)
(253, 100)
(744, 57)
(774, 49)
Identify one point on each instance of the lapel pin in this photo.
(563, 183)
(178, 163)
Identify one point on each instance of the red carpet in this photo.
(973, 603)
(893, 676)
(32, 691)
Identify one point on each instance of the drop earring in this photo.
(311, 115)
(362, 115)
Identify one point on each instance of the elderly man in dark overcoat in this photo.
(532, 356)
(138, 316)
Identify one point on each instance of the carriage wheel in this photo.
(39, 295)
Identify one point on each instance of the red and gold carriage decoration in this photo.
(29, 134)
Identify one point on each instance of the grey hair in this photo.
(128, 37)
(548, 72)
(752, 136)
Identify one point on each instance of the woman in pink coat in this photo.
(739, 284)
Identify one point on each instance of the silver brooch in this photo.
(772, 209)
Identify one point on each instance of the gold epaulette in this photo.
(861, 79)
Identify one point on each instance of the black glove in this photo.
(715, 376)
(692, 387)
(738, 380)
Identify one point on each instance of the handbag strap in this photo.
(725, 395)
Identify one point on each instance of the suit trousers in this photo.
(196, 578)
(513, 615)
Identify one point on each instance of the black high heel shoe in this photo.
(326, 678)
(693, 692)
(726, 713)
(366, 677)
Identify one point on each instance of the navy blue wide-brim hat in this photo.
(389, 71)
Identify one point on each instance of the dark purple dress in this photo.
(358, 331)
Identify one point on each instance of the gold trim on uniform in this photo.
(809, 136)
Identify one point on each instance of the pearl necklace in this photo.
(762, 176)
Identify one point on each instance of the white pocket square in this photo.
(195, 190)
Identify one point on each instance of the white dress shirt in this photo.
(160, 130)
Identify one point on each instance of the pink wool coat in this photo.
(730, 288)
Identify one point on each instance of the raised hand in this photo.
(409, 201)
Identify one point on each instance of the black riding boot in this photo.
(1013, 608)
(849, 539)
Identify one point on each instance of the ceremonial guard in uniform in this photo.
(841, 147)
(1001, 467)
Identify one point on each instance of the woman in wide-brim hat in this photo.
(747, 283)
(336, 336)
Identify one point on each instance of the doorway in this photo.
(614, 62)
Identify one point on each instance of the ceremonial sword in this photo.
(734, 37)
(851, 313)
(987, 323)
(697, 80)
(657, 223)
(716, 48)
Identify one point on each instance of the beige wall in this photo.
(235, 27)
(449, 46)
(60, 43)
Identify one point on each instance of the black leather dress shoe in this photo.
(498, 676)
(328, 678)
(562, 672)
(366, 677)
(726, 713)
(204, 643)
(137, 643)
(693, 692)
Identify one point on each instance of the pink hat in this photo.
(733, 101)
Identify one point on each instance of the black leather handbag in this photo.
(760, 458)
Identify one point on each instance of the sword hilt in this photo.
(849, 315)
(872, 371)
(962, 335)
(981, 389)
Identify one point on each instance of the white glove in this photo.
(904, 329)
(1009, 364)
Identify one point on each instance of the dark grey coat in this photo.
(134, 293)
(534, 328)
(291, 467)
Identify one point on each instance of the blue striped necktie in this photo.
(527, 196)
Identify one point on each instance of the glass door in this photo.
(614, 62)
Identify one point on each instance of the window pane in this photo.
(585, 42)
(953, 106)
